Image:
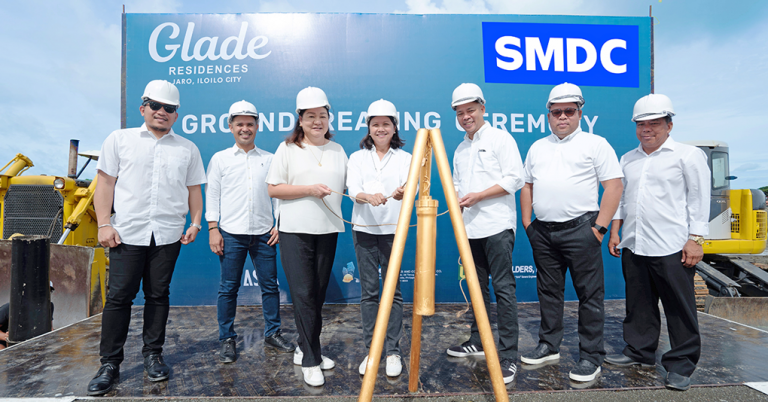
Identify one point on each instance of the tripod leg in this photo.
(413, 374)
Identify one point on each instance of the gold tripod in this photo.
(428, 141)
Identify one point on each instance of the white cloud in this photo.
(448, 7)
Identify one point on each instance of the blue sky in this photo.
(60, 66)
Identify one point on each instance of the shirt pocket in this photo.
(175, 162)
(486, 162)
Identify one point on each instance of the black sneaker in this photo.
(228, 351)
(584, 371)
(277, 341)
(465, 349)
(156, 368)
(508, 370)
(540, 355)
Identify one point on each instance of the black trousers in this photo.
(649, 279)
(307, 261)
(129, 267)
(493, 256)
(557, 247)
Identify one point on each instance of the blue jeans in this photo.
(263, 257)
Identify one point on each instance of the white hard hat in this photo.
(466, 93)
(651, 107)
(381, 108)
(311, 97)
(161, 91)
(242, 108)
(565, 93)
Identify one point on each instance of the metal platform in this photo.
(62, 362)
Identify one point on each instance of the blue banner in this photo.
(414, 61)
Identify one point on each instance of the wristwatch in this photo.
(698, 239)
(197, 225)
(603, 230)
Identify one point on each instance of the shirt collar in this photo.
(476, 137)
(145, 131)
(668, 144)
(235, 149)
(570, 136)
(389, 151)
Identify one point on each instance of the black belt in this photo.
(557, 226)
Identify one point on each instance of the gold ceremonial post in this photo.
(428, 141)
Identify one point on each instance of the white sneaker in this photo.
(326, 363)
(363, 365)
(394, 366)
(313, 376)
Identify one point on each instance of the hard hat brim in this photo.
(464, 101)
(162, 100)
(651, 116)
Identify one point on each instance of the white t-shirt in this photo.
(296, 166)
(151, 194)
(367, 174)
(566, 174)
(236, 195)
(490, 158)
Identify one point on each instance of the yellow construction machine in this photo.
(59, 207)
(737, 226)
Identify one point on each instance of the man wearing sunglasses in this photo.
(664, 212)
(562, 172)
(151, 177)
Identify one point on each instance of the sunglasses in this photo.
(568, 112)
(157, 105)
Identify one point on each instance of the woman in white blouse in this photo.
(375, 176)
(304, 170)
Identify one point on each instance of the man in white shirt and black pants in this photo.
(664, 212)
(239, 215)
(152, 177)
(487, 171)
(562, 173)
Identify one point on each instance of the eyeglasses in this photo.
(568, 112)
(157, 105)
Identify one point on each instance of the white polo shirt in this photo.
(666, 198)
(366, 173)
(299, 167)
(236, 194)
(490, 158)
(151, 195)
(566, 174)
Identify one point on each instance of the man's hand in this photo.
(216, 241)
(376, 199)
(598, 235)
(275, 238)
(3, 336)
(108, 237)
(692, 254)
(470, 200)
(190, 236)
(398, 193)
(318, 190)
(613, 243)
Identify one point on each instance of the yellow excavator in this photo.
(735, 288)
(59, 207)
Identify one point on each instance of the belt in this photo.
(557, 226)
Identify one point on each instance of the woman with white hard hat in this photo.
(307, 175)
(375, 176)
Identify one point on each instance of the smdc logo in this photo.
(527, 53)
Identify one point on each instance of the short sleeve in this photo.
(196, 169)
(278, 169)
(109, 158)
(605, 161)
